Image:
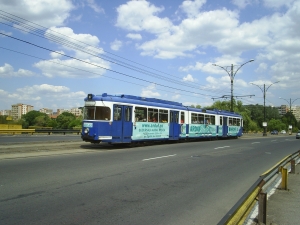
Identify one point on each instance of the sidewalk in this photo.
(283, 207)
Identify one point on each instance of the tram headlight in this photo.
(86, 130)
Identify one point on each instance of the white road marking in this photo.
(166, 156)
(223, 147)
(255, 143)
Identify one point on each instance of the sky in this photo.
(55, 52)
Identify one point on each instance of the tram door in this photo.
(174, 125)
(225, 126)
(122, 124)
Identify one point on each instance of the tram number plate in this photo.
(88, 124)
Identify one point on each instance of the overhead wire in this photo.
(84, 70)
(80, 60)
(39, 30)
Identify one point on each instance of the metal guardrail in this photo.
(31, 131)
(64, 131)
(16, 131)
(241, 210)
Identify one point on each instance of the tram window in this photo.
(117, 113)
(238, 122)
(194, 118)
(207, 119)
(89, 113)
(221, 120)
(128, 114)
(96, 113)
(152, 115)
(212, 120)
(140, 114)
(163, 116)
(201, 118)
(230, 121)
(176, 117)
(234, 121)
(182, 117)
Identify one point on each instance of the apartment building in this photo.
(77, 112)
(5, 112)
(47, 111)
(20, 109)
(283, 109)
(296, 112)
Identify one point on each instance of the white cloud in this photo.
(176, 96)
(46, 13)
(192, 8)
(243, 3)
(56, 54)
(48, 93)
(262, 67)
(94, 6)
(87, 65)
(116, 45)
(43, 89)
(8, 71)
(189, 77)
(150, 91)
(72, 68)
(141, 15)
(277, 3)
(134, 36)
(4, 32)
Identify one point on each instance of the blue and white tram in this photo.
(131, 119)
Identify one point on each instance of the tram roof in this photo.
(153, 102)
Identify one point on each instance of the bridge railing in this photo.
(31, 131)
(256, 194)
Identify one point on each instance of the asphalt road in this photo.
(186, 183)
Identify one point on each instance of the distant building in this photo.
(283, 109)
(60, 111)
(296, 112)
(5, 112)
(47, 111)
(75, 111)
(20, 109)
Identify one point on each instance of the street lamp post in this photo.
(232, 75)
(264, 92)
(291, 102)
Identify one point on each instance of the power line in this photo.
(71, 57)
(86, 70)
(39, 30)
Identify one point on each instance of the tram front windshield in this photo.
(96, 113)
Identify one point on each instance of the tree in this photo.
(52, 123)
(274, 124)
(64, 119)
(289, 119)
(29, 118)
(221, 105)
(41, 121)
(75, 123)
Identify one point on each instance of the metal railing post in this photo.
(284, 178)
(293, 166)
(262, 208)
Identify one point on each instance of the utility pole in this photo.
(264, 94)
(232, 74)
